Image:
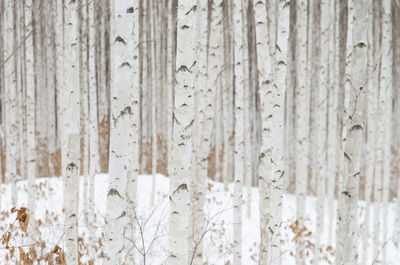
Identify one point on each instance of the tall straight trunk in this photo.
(60, 88)
(10, 108)
(302, 121)
(321, 124)
(246, 108)
(182, 131)
(133, 140)
(83, 80)
(278, 25)
(155, 83)
(266, 97)
(72, 156)
(290, 100)
(396, 85)
(372, 96)
(204, 96)
(353, 135)
(227, 89)
(215, 57)
(239, 133)
(50, 89)
(377, 33)
(386, 90)
(30, 106)
(170, 75)
(144, 89)
(94, 166)
(333, 139)
(122, 21)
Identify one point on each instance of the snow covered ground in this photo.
(154, 223)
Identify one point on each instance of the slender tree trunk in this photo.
(133, 140)
(155, 83)
(239, 132)
(354, 124)
(171, 47)
(72, 156)
(10, 99)
(94, 166)
(386, 90)
(372, 96)
(333, 139)
(200, 137)
(182, 131)
(122, 21)
(30, 105)
(321, 125)
(246, 108)
(83, 80)
(266, 97)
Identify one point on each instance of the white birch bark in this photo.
(246, 109)
(278, 41)
(83, 79)
(182, 130)
(353, 126)
(204, 96)
(154, 85)
(170, 77)
(10, 99)
(372, 98)
(145, 90)
(302, 118)
(266, 98)
(60, 83)
(379, 132)
(386, 88)
(333, 139)
(30, 106)
(122, 21)
(321, 122)
(94, 166)
(72, 156)
(215, 57)
(239, 133)
(133, 144)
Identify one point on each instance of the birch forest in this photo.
(193, 132)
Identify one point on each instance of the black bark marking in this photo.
(119, 39)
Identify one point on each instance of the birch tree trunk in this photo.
(347, 231)
(133, 140)
(386, 90)
(246, 108)
(72, 156)
(154, 85)
(171, 46)
(278, 41)
(182, 131)
(372, 97)
(266, 97)
(239, 133)
(333, 139)
(94, 166)
(11, 132)
(200, 142)
(144, 103)
(122, 21)
(30, 106)
(377, 28)
(321, 124)
(302, 128)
